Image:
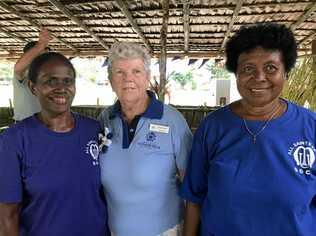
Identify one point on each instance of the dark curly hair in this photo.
(270, 36)
(40, 60)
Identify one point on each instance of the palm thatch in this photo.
(301, 86)
(197, 28)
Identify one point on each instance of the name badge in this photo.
(159, 128)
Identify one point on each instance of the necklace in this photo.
(254, 135)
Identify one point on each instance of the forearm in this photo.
(191, 219)
(23, 63)
(9, 220)
(9, 227)
(29, 55)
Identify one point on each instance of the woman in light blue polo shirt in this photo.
(150, 142)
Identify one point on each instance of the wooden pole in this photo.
(163, 51)
(314, 53)
(186, 25)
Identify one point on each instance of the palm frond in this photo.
(301, 85)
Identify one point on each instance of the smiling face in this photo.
(129, 79)
(260, 76)
(54, 87)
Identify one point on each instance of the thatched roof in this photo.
(196, 28)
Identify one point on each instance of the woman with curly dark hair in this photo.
(252, 165)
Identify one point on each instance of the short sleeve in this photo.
(182, 141)
(10, 170)
(194, 187)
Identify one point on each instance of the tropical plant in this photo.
(301, 85)
(182, 78)
(154, 86)
(217, 72)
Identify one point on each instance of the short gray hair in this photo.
(125, 50)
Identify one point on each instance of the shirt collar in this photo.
(153, 111)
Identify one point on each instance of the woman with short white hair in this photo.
(150, 142)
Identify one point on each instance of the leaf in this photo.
(301, 85)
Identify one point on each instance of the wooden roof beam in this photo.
(304, 16)
(64, 10)
(32, 22)
(186, 24)
(163, 50)
(230, 26)
(124, 8)
(309, 37)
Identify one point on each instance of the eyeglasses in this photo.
(56, 82)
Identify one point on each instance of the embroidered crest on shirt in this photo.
(92, 149)
(304, 155)
(151, 136)
(150, 141)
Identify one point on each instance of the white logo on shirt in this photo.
(303, 153)
(92, 148)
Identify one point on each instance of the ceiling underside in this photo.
(197, 28)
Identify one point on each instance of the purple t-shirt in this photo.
(55, 177)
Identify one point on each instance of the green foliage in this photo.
(92, 78)
(301, 85)
(193, 85)
(182, 78)
(217, 72)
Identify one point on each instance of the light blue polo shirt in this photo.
(139, 178)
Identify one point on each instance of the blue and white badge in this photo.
(159, 128)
